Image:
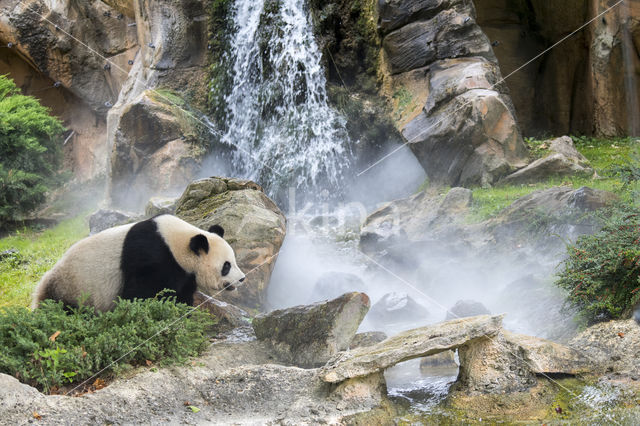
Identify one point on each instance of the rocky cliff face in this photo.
(58, 52)
(578, 87)
(438, 62)
(453, 110)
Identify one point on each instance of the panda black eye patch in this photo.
(226, 268)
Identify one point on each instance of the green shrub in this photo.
(30, 151)
(602, 271)
(88, 342)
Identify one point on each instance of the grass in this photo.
(605, 156)
(37, 252)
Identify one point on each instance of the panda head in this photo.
(214, 262)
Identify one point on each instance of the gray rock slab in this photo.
(309, 335)
(416, 343)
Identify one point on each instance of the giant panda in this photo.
(139, 260)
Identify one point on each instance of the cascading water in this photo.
(279, 121)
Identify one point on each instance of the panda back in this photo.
(90, 268)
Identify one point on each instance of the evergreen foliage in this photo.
(602, 271)
(51, 347)
(30, 152)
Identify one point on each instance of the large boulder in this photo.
(422, 217)
(509, 362)
(614, 345)
(563, 160)
(560, 210)
(309, 335)
(471, 140)
(44, 32)
(254, 226)
(156, 149)
(440, 60)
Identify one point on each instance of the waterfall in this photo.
(279, 122)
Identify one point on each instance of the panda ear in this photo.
(217, 229)
(199, 242)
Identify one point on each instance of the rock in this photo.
(396, 13)
(564, 145)
(579, 88)
(448, 35)
(155, 150)
(16, 397)
(333, 284)
(466, 308)
(416, 343)
(561, 207)
(554, 165)
(254, 227)
(368, 338)
(471, 140)
(228, 315)
(160, 205)
(11, 253)
(230, 383)
(307, 336)
(450, 78)
(547, 357)
(509, 363)
(457, 200)
(564, 161)
(64, 75)
(395, 308)
(443, 360)
(40, 31)
(107, 218)
(614, 345)
(418, 217)
(636, 315)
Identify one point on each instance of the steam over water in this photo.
(285, 133)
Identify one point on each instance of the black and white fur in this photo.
(139, 260)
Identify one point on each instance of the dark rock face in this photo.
(395, 308)
(106, 218)
(578, 88)
(307, 336)
(254, 227)
(466, 308)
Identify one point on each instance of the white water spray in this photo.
(279, 119)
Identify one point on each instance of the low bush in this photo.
(52, 346)
(602, 271)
